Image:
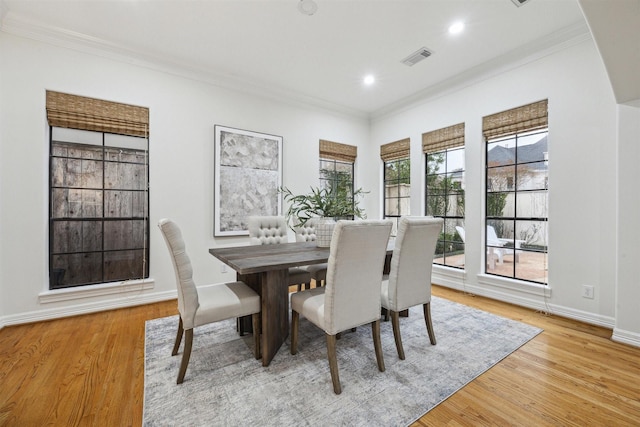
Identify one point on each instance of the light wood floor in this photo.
(88, 370)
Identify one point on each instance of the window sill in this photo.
(89, 291)
(514, 285)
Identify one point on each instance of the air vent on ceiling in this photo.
(416, 57)
(520, 2)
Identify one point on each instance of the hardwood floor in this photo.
(88, 370)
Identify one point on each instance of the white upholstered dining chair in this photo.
(409, 281)
(272, 230)
(205, 304)
(307, 233)
(351, 296)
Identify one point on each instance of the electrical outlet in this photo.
(223, 268)
(587, 291)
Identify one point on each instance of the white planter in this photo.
(324, 232)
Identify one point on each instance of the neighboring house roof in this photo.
(500, 155)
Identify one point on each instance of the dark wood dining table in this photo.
(265, 269)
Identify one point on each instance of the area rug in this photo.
(225, 386)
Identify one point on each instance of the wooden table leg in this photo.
(274, 296)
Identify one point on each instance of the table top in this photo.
(260, 258)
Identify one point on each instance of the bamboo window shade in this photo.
(522, 119)
(79, 112)
(395, 150)
(443, 139)
(336, 151)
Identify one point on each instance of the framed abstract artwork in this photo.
(248, 174)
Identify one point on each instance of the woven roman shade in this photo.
(443, 139)
(522, 119)
(78, 112)
(395, 150)
(336, 151)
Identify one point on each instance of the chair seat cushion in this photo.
(298, 275)
(384, 294)
(310, 304)
(224, 301)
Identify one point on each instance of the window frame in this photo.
(335, 182)
(397, 182)
(103, 218)
(447, 245)
(515, 219)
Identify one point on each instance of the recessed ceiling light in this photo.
(307, 7)
(369, 80)
(456, 28)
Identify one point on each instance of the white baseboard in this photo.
(92, 307)
(523, 299)
(626, 337)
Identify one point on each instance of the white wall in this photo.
(582, 176)
(627, 328)
(183, 113)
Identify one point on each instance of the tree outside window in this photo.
(397, 190)
(445, 199)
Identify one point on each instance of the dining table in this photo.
(265, 269)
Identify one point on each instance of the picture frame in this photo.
(247, 178)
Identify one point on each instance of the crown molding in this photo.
(555, 42)
(35, 30)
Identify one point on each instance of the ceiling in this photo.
(268, 46)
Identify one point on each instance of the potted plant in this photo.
(328, 203)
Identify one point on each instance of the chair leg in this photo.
(255, 322)
(375, 329)
(188, 341)
(295, 320)
(176, 346)
(333, 363)
(427, 319)
(395, 323)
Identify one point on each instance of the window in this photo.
(98, 194)
(337, 176)
(516, 201)
(337, 168)
(397, 181)
(445, 186)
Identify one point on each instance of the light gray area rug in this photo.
(226, 386)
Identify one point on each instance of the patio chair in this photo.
(495, 246)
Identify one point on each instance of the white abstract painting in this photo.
(248, 173)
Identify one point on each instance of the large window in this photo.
(445, 184)
(98, 192)
(338, 177)
(517, 193)
(337, 169)
(397, 181)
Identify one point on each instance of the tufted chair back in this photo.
(187, 293)
(267, 230)
(306, 232)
